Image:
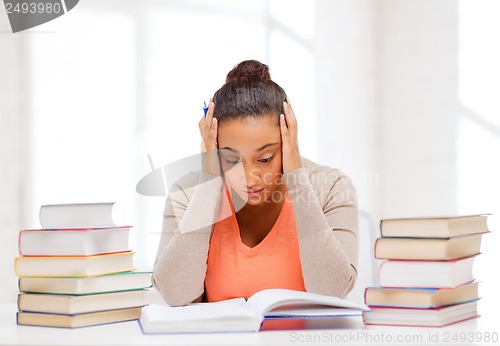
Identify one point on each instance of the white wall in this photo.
(418, 110)
(345, 49)
(12, 154)
(387, 101)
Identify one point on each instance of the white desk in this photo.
(340, 331)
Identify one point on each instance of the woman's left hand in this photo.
(289, 142)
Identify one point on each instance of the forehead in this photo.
(249, 134)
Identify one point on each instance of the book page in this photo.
(227, 309)
(264, 301)
(310, 310)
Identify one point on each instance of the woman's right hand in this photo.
(208, 126)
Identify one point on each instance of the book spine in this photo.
(375, 248)
(19, 242)
(15, 266)
(19, 302)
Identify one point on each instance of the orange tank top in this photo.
(236, 270)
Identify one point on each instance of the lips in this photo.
(253, 192)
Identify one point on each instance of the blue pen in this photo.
(205, 108)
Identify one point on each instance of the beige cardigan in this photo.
(326, 213)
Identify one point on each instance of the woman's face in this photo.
(250, 155)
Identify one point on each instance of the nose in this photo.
(253, 177)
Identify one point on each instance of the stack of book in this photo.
(78, 270)
(426, 273)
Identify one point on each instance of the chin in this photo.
(266, 199)
(253, 200)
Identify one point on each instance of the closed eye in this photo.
(267, 159)
(235, 162)
(232, 162)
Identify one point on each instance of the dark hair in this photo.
(248, 91)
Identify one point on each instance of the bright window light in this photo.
(479, 133)
(113, 84)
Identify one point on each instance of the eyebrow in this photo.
(260, 149)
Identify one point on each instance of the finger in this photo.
(201, 123)
(211, 107)
(207, 127)
(290, 110)
(291, 121)
(212, 139)
(290, 114)
(283, 127)
(209, 116)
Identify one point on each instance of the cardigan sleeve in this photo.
(327, 220)
(181, 260)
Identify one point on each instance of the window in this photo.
(479, 129)
(114, 83)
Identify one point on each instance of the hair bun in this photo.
(249, 69)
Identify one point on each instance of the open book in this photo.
(238, 315)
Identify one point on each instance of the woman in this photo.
(257, 215)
